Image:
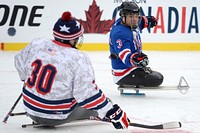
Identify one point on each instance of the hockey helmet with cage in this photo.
(128, 7)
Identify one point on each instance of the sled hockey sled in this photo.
(183, 88)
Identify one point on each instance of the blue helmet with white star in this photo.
(66, 28)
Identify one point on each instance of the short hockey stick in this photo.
(169, 125)
(11, 110)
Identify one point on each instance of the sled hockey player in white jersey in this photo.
(60, 81)
(129, 63)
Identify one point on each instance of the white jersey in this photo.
(58, 78)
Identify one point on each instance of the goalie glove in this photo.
(139, 60)
(118, 117)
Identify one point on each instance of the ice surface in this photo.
(157, 107)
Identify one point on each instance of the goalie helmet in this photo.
(128, 7)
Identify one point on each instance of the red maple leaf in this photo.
(93, 24)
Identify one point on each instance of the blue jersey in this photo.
(124, 42)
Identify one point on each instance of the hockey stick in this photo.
(11, 110)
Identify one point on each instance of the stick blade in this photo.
(171, 125)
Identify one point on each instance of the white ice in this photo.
(155, 108)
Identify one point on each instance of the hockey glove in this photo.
(152, 21)
(140, 60)
(118, 117)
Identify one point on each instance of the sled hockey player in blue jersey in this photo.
(129, 63)
(60, 81)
